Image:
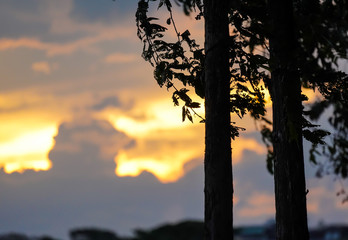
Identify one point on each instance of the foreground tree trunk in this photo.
(289, 176)
(218, 161)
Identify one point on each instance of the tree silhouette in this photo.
(185, 61)
(304, 47)
(289, 176)
(92, 234)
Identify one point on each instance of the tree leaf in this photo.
(189, 116)
(183, 113)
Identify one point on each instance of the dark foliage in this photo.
(322, 34)
(183, 60)
(92, 234)
(187, 230)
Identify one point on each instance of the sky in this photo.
(88, 139)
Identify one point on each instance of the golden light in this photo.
(27, 149)
(163, 143)
(241, 144)
(166, 166)
(160, 135)
(29, 122)
(147, 118)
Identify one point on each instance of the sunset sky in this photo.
(87, 137)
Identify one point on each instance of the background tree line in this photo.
(186, 230)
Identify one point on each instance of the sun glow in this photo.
(167, 168)
(147, 119)
(163, 143)
(242, 144)
(27, 150)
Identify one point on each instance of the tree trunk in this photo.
(289, 176)
(218, 161)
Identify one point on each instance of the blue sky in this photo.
(89, 139)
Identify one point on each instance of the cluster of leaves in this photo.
(249, 70)
(248, 63)
(323, 31)
(336, 149)
(321, 28)
(183, 60)
(251, 24)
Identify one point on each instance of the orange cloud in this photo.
(258, 204)
(27, 150)
(27, 136)
(241, 144)
(41, 67)
(121, 58)
(167, 169)
(8, 43)
(53, 49)
(317, 196)
(164, 144)
(28, 126)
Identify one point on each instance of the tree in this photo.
(225, 90)
(218, 187)
(187, 230)
(300, 56)
(218, 164)
(326, 41)
(306, 39)
(289, 176)
(92, 234)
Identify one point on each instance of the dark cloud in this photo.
(251, 177)
(14, 19)
(102, 10)
(96, 140)
(107, 102)
(252, 171)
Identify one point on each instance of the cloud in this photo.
(73, 136)
(63, 34)
(121, 58)
(111, 101)
(243, 144)
(28, 125)
(322, 200)
(28, 150)
(53, 49)
(253, 188)
(82, 190)
(8, 43)
(29, 122)
(104, 10)
(160, 136)
(41, 67)
(258, 204)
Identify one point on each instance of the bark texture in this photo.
(289, 176)
(218, 161)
